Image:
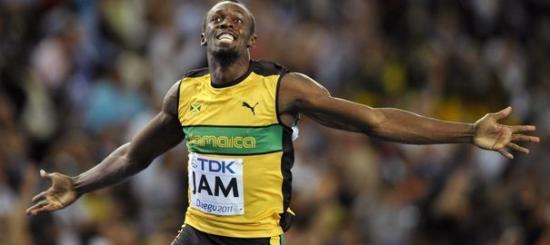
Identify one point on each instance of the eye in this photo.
(216, 19)
(238, 21)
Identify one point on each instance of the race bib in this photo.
(216, 185)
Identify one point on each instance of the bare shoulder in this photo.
(170, 101)
(295, 81)
(298, 89)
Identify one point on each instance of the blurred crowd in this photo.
(79, 78)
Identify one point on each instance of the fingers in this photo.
(45, 175)
(503, 113)
(40, 199)
(48, 207)
(34, 209)
(41, 202)
(525, 138)
(44, 205)
(39, 196)
(506, 154)
(514, 146)
(523, 128)
(518, 148)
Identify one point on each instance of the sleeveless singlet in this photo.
(240, 154)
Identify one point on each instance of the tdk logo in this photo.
(215, 166)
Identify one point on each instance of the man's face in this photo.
(228, 29)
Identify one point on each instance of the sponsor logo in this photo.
(246, 105)
(216, 185)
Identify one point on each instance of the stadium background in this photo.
(78, 78)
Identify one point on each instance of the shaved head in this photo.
(236, 2)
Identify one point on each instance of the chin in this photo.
(226, 55)
(225, 47)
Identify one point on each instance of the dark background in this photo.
(79, 78)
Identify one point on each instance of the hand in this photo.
(60, 195)
(491, 135)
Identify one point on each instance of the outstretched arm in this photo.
(160, 135)
(301, 94)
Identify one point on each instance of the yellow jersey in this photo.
(240, 154)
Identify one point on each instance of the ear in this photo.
(203, 39)
(252, 41)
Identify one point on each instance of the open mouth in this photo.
(226, 37)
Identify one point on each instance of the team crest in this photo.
(195, 107)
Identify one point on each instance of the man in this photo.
(237, 117)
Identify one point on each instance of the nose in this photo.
(226, 23)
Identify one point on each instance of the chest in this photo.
(251, 105)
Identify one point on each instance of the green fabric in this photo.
(234, 140)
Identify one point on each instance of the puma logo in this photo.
(245, 104)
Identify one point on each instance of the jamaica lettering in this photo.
(223, 141)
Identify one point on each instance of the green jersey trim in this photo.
(228, 140)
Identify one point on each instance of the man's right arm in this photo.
(161, 134)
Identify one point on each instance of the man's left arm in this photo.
(301, 94)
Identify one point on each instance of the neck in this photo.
(225, 71)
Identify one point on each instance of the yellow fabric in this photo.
(224, 106)
(275, 240)
(201, 104)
